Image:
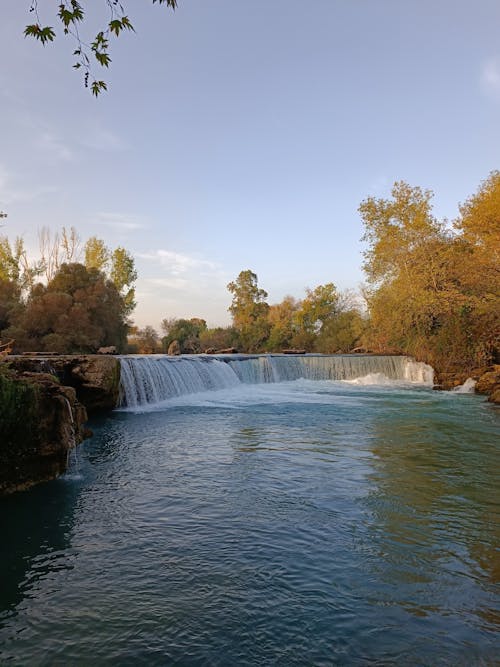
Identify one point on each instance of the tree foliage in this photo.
(434, 292)
(249, 310)
(70, 17)
(79, 308)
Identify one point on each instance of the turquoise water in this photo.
(301, 523)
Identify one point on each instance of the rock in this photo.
(40, 422)
(174, 348)
(494, 397)
(489, 381)
(107, 350)
(96, 378)
(291, 351)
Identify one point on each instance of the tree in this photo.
(315, 310)
(281, 320)
(249, 310)
(185, 332)
(57, 248)
(71, 16)
(79, 310)
(144, 341)
(433, 293)
(123, 274)
(97, 254)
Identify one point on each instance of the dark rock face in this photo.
(40, 422)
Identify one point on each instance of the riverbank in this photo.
(44, 406)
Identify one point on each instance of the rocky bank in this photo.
(44, 402)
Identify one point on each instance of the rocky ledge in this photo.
(95, 377)
(487, 380)
(40, 422)
(44, 401)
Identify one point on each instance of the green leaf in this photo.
(97, 87)
(43, 35)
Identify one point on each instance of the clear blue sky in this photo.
(244, 134)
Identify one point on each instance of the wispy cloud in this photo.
(52, 146)
(97, 137)
(11, 190)
(121, 221)
(490, 77)
(178, 263)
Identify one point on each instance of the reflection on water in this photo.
(310, 523)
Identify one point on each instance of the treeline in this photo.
(325, 320)
(69, 299)
(433, 291)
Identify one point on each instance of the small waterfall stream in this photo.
(150, 379)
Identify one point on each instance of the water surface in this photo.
(300, 523)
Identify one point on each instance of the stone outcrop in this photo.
(96, 378)
(40, 422)
(489, 383)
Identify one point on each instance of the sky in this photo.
(244, 135)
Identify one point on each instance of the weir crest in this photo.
(150, 379)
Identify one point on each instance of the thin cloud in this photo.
(100, 138)
(11, 192)
(490, 77)
(177, 263)
(121, 221)
(52, 146)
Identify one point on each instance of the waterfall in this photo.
(149, 379)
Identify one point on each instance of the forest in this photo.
(432, 291)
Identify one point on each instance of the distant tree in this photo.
(71, 15)
(316, 309)
(281, 318)
(185, 332)
(97, 254)
(144, 341)
(57, 248)
(249, 311)
(219, 338)
(124, 274)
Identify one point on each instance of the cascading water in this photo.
(150, 379)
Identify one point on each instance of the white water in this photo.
(153, 379)
(466, 388)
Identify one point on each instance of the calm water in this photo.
(306, 523)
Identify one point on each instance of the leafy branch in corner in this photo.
(71, 15)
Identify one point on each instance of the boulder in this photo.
(174, 348)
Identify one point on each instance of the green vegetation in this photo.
(434, 290)
(71, 17)
(78, 308)
(18, 414)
